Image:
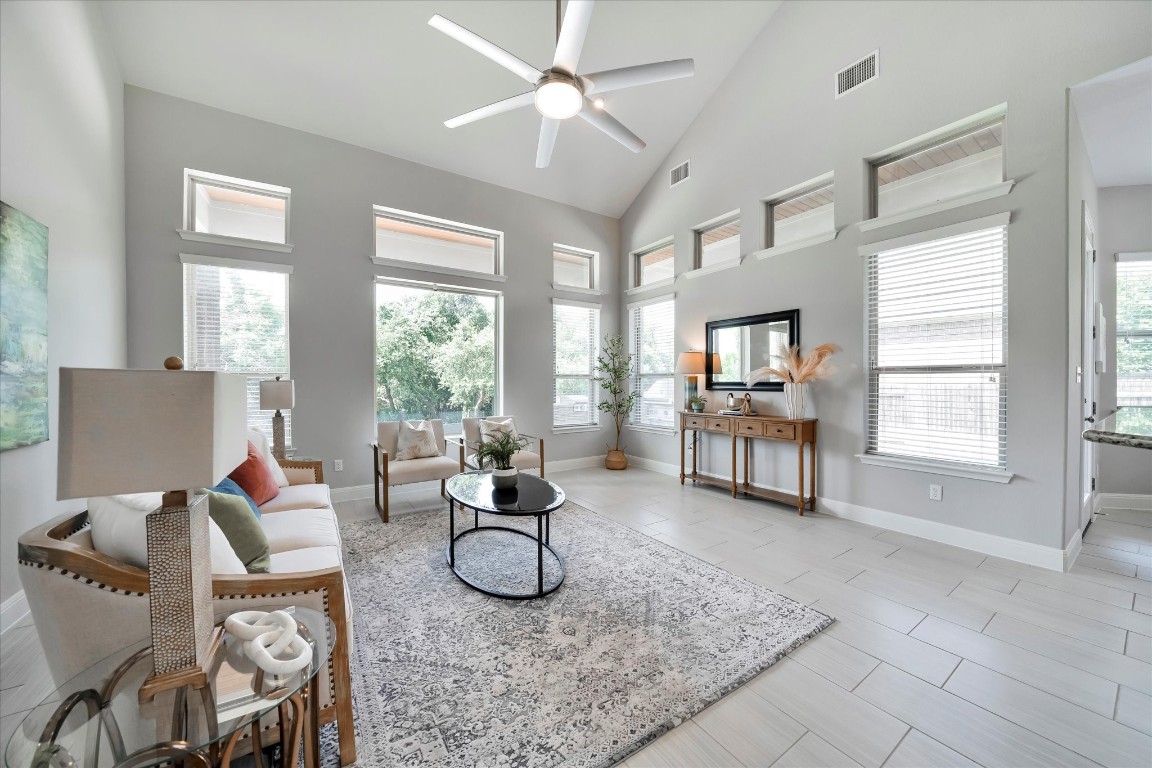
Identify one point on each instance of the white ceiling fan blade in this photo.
(504, 105)
(485, 48)
(548, 130)
(641, 74)
(611, 126)
(572, 32)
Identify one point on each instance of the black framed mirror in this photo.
(743, 344)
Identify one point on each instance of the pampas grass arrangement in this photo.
(796, 368)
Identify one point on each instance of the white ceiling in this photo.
(1115, 112)
(374, 74)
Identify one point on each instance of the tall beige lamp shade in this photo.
(127, 431)
(274, 396)
(717, 366)
(691, 364)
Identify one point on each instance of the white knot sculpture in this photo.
(268, 635)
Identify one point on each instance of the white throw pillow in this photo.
(490, 427)
(416, 441)
(258, 439)
(120, 531)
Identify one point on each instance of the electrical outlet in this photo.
(338, 465)
(935, 492)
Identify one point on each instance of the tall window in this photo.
(654, 264)
(575, 332)
(236, 320)
(802, 215)
(1134, 329)
(413, 240)
(718, 243)
(229, 207)
(574, 268)
(652, 341)
(436, 352)
(937, 331)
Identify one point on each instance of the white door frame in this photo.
(1089, 380)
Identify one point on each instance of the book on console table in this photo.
(735, 412)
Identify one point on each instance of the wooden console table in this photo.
(799, 432)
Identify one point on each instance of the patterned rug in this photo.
(640, 637)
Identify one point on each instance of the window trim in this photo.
(921, 464)
(395, 214)
(783, 196)
(593, 271)
(598, 309)
(698, 233)
(634, 265)
(636, 373)
(193, 177)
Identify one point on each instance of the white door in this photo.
(1090, 378)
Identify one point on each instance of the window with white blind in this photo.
(575, 333)
(652, 328)
(654, 264)
(937, 345)
(235, 208)
(718, 242)
(415, 241)
(574, 268)
(1134, 329)
(236, 320)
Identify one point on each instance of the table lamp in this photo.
(691, 364)
(277, 395)
(127, 431)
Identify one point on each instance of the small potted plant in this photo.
(496, 452)
(614, 366)
(697, 403)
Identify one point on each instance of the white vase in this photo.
(795, 399)
(504, 478)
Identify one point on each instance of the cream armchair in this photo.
(387, 472)
(521, 460)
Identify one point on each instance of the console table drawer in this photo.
(695, 422)
(749, 427)
(719, 425)
(780, 431)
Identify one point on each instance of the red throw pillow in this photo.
(255, 477)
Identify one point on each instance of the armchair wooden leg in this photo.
(541, 458)
(376, 477)
(385, 491)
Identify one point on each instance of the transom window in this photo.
(236, 320)
(229, 207)
(574, 268)
(652, 327)
(575, 335)
(719, 242)
(802, 215)
(1134, 329)
(654, 264)
(415, 241)
(937, 345)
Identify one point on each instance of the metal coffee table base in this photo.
(543, 531)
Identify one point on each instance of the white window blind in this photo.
(236, 320)
(575, 331)
(937, 328)
(652, 341)
(1134, 330)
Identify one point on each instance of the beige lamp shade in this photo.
(690, 362)
(717, 366)
(276, 395)
(127, 431)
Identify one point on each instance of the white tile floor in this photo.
(940, 656)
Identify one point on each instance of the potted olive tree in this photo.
(614, 366)
(496, 451)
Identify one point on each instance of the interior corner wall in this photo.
(62, 163)
(775, 123)
(1125, 227)
(332, 302)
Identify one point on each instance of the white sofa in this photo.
(87, 605)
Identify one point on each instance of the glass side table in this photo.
(96, 719)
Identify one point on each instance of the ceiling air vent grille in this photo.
(678, 174)
(858, 74)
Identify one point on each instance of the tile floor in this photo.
(939, 657)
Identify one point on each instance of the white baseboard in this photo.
(1073, 549)
(988, 543)
(1123, 501)
(351, 493)
(12, 611)
(652, 465)
(584, 462)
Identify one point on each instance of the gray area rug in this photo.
(640, 637)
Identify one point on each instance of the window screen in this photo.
(236, 320)
(652, 342)
(718, 243)
(655, 264)
(801, 216)
(1134, 332)
(573, 268)
(937, 325)
(575, 331)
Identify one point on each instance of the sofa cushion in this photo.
(306, 496)
(228, 485)
(255, 478)
(300, 529)
(243, 530)
(499, 425)
(258, 439)
(420, 470)
(310, 559)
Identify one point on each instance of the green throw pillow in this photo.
(242, 530)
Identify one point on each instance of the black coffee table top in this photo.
(531, 496)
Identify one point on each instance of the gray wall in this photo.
(62, 163)
(1125, 227)
(334, 186)
(774, 124)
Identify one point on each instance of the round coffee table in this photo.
(532, 497)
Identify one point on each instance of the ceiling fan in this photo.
(559, 93)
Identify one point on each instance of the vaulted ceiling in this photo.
(374, 74)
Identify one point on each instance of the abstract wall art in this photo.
(23, 329)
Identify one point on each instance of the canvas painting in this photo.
(23, 329)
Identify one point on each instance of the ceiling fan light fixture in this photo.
(558, 98)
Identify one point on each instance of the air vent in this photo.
(678, 174)
(861, 72)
